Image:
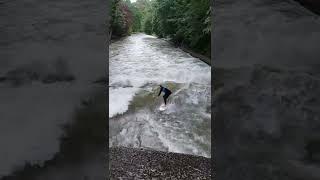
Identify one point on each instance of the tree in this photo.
(122, 18)
(185, 22)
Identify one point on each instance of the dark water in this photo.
(34, 36)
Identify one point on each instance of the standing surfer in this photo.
(166, 92)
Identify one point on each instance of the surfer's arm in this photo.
(160, 92)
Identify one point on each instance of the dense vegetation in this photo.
(184, 22)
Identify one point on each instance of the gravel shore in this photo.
(129, 163)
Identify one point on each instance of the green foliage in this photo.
(117, 19)
(185, 22)
(147, 27)
(124, 18)
(136, 27)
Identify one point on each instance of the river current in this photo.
(138, 64)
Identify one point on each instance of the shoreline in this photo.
(115, 39)
(203, 58)
(162, 165)
(194, 54)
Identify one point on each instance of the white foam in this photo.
(139, 60)
(136, 61)
(119, 99)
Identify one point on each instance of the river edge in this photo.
(184, 48)
(149, 164)
(203, 58)
(116, 39)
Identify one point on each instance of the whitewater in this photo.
(138, 64)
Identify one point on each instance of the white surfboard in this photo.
(162, 107)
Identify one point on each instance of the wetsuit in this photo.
(167, 93)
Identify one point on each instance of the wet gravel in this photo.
(130, 163)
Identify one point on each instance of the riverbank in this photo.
(149, 164)
(202, 57)
(116, 38)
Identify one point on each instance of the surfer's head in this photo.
(160, 86)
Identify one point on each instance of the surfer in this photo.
(166, 92)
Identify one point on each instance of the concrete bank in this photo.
(205, 59)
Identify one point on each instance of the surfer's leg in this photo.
(167, 96)
(165, 99)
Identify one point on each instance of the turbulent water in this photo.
(137, 65)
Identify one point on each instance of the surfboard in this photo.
(162, 107)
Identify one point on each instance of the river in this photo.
(138, 64)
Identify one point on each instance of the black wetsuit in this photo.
(167, 93)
